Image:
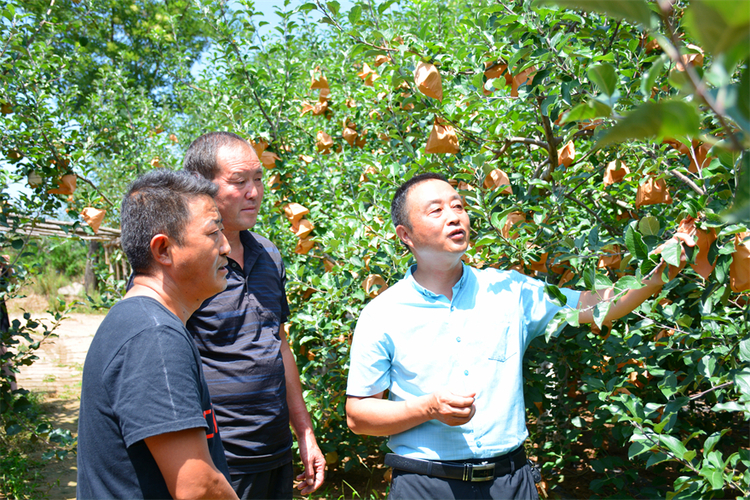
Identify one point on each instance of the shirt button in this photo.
(458, 339)
(479, 444)
(466, 372)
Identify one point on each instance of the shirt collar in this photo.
(427, 293)
(252, 250)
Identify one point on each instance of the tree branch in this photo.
(686, 180)
(714, 388)
(674, 53)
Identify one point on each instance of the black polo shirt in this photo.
(237, 335)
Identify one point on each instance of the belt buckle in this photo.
(479, 472)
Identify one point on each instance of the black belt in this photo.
(469, 470)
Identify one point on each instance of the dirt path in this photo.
(57, 375)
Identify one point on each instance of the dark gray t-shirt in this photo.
(142, 378)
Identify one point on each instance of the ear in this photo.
(403, 233)
(161, 249)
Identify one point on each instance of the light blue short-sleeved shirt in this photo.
(415, 342)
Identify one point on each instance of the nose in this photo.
(453, 217)
(252, 191)
(225, 249)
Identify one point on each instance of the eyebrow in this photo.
(218, 221)
(439, 201)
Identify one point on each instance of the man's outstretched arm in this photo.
(633, 298)
(375, 416)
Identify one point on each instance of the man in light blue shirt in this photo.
(447, 342)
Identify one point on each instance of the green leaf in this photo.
(384, 6)
(689, 455)
(563, 316)
(673, 444)
(604, 76)
(730, 406)
(740, 210)
(629, 10)
(307, 7)
(735, 99)
(657, 458)
(628, 283)
(711, 440)
(649, 226)
(587, 111)
(671, 252)
(634, 242)
(654, 72)
(743, 95)
(745, 350)
(637, 448)
(355, 14)
(668, 385)
(557, 296)
(333, 6)
(714, 476)
(13, 429)
(600, 312)
(720, 25)
(742, 382)
(652, 119)
(497, 217)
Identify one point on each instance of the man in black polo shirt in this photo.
(251, 372)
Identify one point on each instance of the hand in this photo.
(314, 463)
(451, 409)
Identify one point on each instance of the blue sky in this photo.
(267, 7)
(267, 12)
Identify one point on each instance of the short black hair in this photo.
(157, 203)
(399, 212)
(200, 156)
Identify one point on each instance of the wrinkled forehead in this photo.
(236, 154)
(429, 191)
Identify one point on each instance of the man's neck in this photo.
(438, 277)
(166, 293)
(237, 253)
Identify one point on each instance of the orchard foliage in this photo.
(581, 134)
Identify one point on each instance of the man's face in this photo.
(439, 223)
(202, 257)
(240, 182)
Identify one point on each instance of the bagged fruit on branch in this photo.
(739, 269)
(498, 179)
(427, 78)
(653, 192)
(66, 185)
(93, 217)
(442, 139)
(616, 172)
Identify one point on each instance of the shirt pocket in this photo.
(505, 346)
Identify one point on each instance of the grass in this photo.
(355, 484)
(20, 473)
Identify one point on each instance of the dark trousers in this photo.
(410, 486)
(272, 484)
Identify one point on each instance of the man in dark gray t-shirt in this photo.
(146, 426)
